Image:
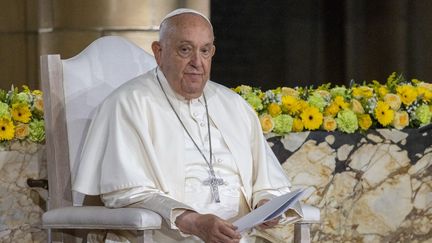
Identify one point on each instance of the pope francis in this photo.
(174, 142)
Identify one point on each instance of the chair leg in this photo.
(65, 236)
(144, 236)
(302, 233)
(140, 236)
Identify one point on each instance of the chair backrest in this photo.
(73, 88)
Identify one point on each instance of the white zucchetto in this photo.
(184, 11)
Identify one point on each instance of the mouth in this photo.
(194, 76)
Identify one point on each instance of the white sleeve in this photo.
(140, 197)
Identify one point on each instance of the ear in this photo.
(213, 50)
(157, 51)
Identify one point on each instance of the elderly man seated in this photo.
(174, 142)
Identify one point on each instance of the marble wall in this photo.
(21, 207)
(374, 187)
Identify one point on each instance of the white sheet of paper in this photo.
(270, 210)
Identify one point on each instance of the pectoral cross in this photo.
(214, 182)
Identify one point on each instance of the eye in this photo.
(185, 51)
(206, 52)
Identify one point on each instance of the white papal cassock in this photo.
(138, 154)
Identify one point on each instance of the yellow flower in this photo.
(421, 90)
(37, 92)
(367, 92)
(311, 118)
(393, 101)
(424, 93)
(21, 112)
(329, 124)
(303, 104)
(427, 96)
(22, 131)
(364, 121)
(289, 92)
(401, 120)
(332, 109)
(267, 123)
(383, 113)
(290, 104)
(357, 107)
(337, 105)
(274, 109)
(362, 92)
(7, 129)
(407, 93)
(382, 91)
(356, 93)
(340, 101)
(297, 125)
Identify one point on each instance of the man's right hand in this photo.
(208, 227)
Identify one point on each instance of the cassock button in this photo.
(219, 160)
(202, 124)
(194, 114)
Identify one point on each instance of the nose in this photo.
(195, 59)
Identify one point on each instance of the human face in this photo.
(184, 54)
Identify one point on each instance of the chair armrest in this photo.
(311, 214)
(99, 217)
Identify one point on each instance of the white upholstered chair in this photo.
(72, 90)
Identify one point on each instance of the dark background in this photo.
(272, 43)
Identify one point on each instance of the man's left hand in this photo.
(270, 223)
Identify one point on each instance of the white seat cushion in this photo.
(99, 217)
(311, 214)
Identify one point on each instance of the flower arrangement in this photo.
(399, 103)
(21, 116)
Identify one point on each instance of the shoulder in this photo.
(229, 99)
(139, 88)
(223, 91)
(144, 83)
(226, 93)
